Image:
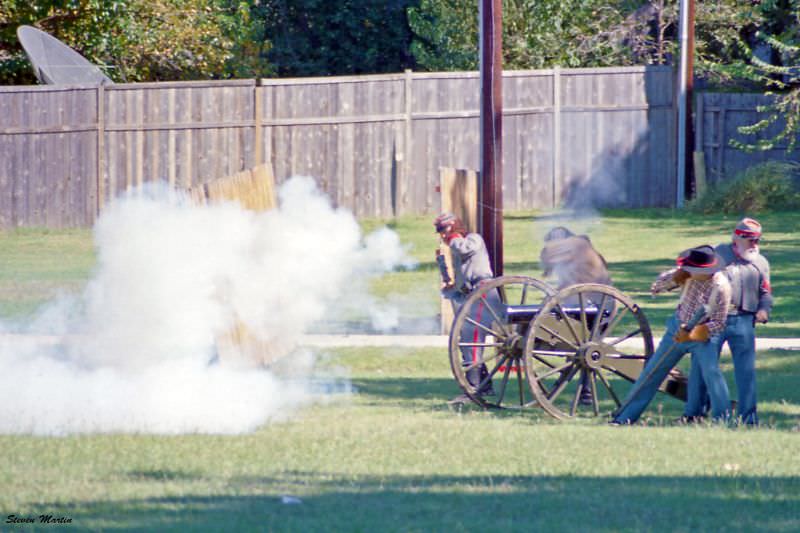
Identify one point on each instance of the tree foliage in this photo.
(142, 40)
(323, 37)
(783, 82)
(139, 40)
(536, 34)
(581, 33)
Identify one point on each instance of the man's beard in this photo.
(748, 254)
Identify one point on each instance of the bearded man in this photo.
(751, 303)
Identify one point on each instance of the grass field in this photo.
(392, 456)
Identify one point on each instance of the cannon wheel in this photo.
(574, 361)
(495, 341)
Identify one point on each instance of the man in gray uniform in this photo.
(751, 303)
(471, 266)
(572, 259)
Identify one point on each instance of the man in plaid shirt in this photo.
(705, 289)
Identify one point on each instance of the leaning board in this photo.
(254, 189)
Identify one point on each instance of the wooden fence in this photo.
(718, 119)
(599, 137)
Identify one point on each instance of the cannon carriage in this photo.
(570, 352)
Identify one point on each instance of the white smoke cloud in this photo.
(135, 352)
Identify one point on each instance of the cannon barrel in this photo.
(525, 313)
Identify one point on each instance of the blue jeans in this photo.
(667, 355)
(740, 334)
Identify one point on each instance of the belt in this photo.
(734, 309)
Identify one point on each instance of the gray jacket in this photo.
(750, 283)
(470, 261)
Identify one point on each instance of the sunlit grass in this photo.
(393, 457)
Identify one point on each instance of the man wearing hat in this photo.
(706, 292)
(471, 266)
(751, 303)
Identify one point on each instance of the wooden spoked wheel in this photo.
(487, 339)
(582, 348)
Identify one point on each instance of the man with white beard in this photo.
(751, 302)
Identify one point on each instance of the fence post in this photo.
(699, 158)
(258, 137)
(99, 201)
(405, 178)
(556, 136)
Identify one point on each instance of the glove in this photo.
(680, 276)
(681, 336)
(698, 334)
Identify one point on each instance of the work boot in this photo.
(586, 391)
(475, 376)
(586, 396)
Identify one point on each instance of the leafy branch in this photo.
(784, 80)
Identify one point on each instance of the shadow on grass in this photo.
(720, 501)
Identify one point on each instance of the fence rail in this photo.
(375, 144)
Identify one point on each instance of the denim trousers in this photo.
(740, 334)
(667, 355)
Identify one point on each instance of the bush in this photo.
(770, 186)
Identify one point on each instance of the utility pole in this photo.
(491, 197)
(685, 89)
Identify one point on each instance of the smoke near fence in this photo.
(136, 351)
(568, 257)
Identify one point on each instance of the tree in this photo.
(784, 84)
(445, 34)
(323, 37)
(580, 33)
(536, 34)
(141, 40)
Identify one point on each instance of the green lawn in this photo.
(37, 265)
(392, 456)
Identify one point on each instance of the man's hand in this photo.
(449, 235)
(680, 276)
(666, 281)
(762, 316)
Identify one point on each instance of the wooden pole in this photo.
(491, 199)
(685, 85)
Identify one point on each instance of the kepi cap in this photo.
(748, 228)
(443, 221)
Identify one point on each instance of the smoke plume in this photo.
(137, 351)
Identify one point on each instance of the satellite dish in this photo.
(56, 63)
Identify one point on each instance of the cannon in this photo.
(570, 352)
